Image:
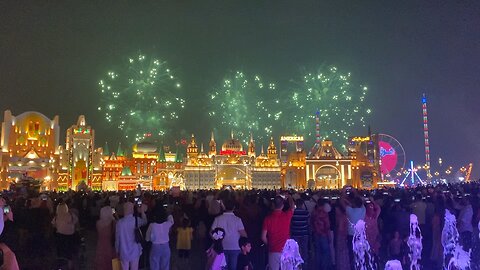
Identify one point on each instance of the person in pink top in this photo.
(105, 231)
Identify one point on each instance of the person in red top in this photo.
(276, 230)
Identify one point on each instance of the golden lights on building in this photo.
(30, 146)
(80, 162)
(232, 166)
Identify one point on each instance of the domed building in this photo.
(231, 167)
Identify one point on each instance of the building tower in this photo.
(318, 142)
(192, 148)
(213, 147)
(425, 135)
(251, 147)
(80, 159)
(272, 150)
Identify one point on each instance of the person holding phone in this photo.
(9, 258)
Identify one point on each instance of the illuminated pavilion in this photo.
(29, 146)
(232, 166)
(80, 162)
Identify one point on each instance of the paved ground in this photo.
(47, 259)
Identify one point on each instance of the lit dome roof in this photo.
(232, 144)
(144, 147)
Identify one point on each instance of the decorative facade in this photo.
(293, 159)
(232, 166)
(29, 144)
(365, 161)
(80, 163)
(327, 168)
(147, 167)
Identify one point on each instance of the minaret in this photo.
(272, 150)
(213, 147)
(262, 153)
(106, 151)
(161, 155)
(251, 146)
(119, 150)
(192, 148)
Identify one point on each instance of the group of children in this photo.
(215, 256)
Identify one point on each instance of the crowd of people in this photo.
(237, 229)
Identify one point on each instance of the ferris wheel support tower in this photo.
(425, 135)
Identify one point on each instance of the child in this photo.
(243, 262)
(395, 247)
(184, 239)
(215, 257)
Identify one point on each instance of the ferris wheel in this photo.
(392, 157)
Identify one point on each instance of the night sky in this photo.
(52, 56)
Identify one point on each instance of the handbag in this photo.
(116, 264)
(138, 233)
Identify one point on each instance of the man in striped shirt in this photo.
(300, 229)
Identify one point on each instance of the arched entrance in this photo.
(232, 176)
(328, 176)
(291, 180)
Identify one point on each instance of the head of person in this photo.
(185, 222)
(357, 202)
(217, 235)
(62, 209)
(159, 214)
(278, 203)
(245, 244)
(324, 206)
(300, 204)
(106, 214)
(370, 208)
(229, 205)
(465, 201)
(127, 208)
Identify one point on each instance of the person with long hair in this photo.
(64, 223)
(106, 231)
(436, 255)
(158, 233)
(215, 256)
(371, 220)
